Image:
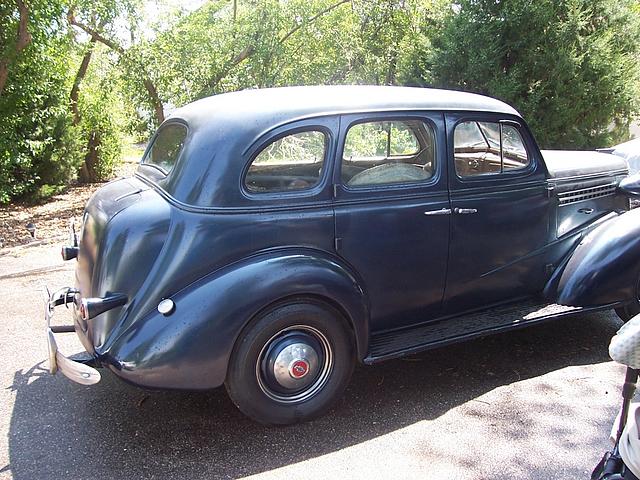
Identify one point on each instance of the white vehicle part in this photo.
(625, 345)
(629, 446)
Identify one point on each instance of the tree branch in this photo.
(152, 91)
(23, 39)
(238, 59)
(94, 33)
(82, 71)
(250, 49)
(311, 20)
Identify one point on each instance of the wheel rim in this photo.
(294, 364)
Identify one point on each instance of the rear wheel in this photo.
(291, 363)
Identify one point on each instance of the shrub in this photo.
(570, 67)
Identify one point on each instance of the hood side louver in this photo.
(579, 195)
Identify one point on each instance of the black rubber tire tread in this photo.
(241, 383)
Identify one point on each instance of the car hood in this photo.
(566, 164)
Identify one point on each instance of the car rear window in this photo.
(166, 147)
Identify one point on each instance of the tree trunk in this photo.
(82, 71)
(88, 172)
(154, 98)
(23, 39)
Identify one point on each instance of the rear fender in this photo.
(604, 268)
(190, 348)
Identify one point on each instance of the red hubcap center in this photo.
(299, 369)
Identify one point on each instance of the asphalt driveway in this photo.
(532, 404)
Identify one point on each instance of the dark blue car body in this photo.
(408, 265)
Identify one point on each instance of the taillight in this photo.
(84, 310)
(69, 252)
(92, 307)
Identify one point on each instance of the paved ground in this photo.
(532, 404)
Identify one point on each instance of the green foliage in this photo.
(37, 146)
(297, 42)
(571, 67)
(101, 118)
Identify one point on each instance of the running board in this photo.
(398, 343)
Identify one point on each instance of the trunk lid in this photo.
(124, 228)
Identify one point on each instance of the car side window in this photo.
(291, 163)
(482, 148)
(166, 147)
(388, 152)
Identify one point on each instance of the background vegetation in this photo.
(77, 77)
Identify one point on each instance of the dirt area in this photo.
(50, 218)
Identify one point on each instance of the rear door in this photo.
(392, 212)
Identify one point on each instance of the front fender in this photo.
(605, 267)
(190, 348)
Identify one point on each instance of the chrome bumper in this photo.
(73, 370)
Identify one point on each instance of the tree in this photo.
(226, 46)
(570, 67)
(37, 145)
(98, 20)
(22, 39)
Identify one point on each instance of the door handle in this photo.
(464, 211)
(585, 210)
(444, 211)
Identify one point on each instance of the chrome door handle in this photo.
(463, 211)
(444, 211)
(585, 210)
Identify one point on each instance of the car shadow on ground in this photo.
(112, 430)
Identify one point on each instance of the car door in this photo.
(501, 210)
(392, 212)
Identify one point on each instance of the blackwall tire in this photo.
(291, 363)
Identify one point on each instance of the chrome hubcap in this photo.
(294, 364)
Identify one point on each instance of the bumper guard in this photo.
(73, 370)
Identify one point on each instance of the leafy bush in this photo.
(571, 67)
(38, 145)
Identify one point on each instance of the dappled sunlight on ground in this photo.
(51, 217)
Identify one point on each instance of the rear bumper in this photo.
(78, 371)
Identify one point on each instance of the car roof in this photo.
(224, 129)
(290, 103)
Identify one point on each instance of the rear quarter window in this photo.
(291, 163)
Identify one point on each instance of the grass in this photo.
(132, 152)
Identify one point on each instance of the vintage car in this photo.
(272, 238)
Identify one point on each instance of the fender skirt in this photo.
(604, 269)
